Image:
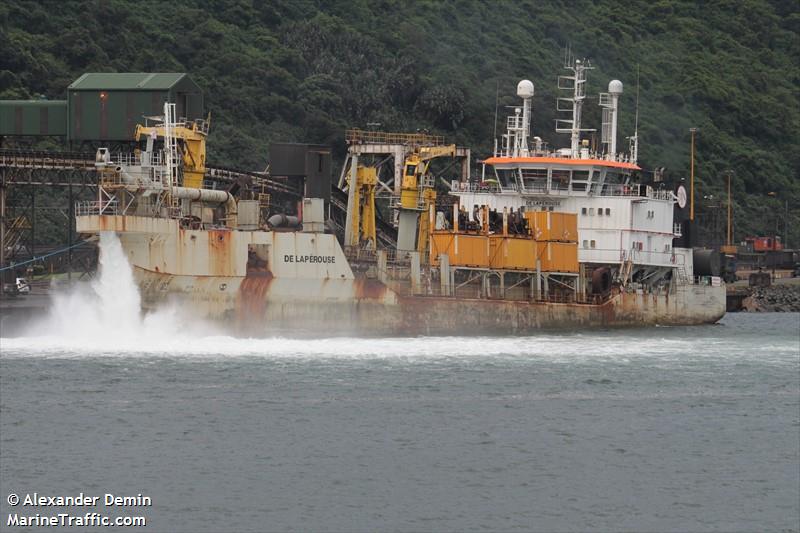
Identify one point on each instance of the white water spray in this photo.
(107, 312)
(110, 306)
(120, 304)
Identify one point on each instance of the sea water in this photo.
(654, 429)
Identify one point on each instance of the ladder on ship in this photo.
(172, 158)
(625, 270)
(682, 277)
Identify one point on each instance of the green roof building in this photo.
(33, 117)
(108, 106)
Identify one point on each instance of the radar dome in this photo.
(615, 87)
(525, 89)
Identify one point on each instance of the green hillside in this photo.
(303, 70)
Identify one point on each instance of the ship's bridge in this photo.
(617, 219)
(559, 176)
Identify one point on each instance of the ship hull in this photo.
(268, 306)
(272, 283)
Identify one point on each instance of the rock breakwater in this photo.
(776, 298)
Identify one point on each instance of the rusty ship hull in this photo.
(270, 282)
(264, 305)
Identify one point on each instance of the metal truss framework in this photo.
(44, 186)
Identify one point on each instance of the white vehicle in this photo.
(23, 286)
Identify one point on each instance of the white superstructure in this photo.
(619, 221)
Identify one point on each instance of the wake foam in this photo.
(104, 318)
(107, 312)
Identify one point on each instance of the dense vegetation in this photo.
(304, 70)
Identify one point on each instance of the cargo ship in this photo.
(544, 239)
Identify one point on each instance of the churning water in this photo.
(658, 429)
(106, 313)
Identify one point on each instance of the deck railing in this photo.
(609, 189)
(356, 136)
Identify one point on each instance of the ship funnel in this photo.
(610, 103)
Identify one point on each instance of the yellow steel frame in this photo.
(416, 197)
(193, 137)
(363, 224)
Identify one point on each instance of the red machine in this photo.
(765, 244)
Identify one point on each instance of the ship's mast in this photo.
(576, 85)
(634, 140)
(518, 125)
(610, 103)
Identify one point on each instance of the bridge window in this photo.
(585, 243)
(593, 243)
(583, 212)
(505, 176)
(608, 211)
(560, 179)
(580, 175)
(534, 173)
(534, 179)
(580, 180)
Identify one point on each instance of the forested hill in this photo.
(304, 70)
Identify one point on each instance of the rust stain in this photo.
(220, 253)
(179, 249)
(251, 301)
(607, 313)
(369, 289)
(256, 266)
(111, 223)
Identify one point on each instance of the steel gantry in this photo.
(382, 148)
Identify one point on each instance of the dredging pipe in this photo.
(210, 196)
(281, 220)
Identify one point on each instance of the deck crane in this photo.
(363, 223)
(192, 135)
(417, 194)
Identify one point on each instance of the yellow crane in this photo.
(417, 194)
(193, 138)
(363, 224)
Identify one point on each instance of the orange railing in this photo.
(356, 136)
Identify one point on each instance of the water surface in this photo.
(659, 429)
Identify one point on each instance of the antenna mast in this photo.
(518, 124)
(634, 148)
(496, 99)
(610, 103)
(576, 84)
